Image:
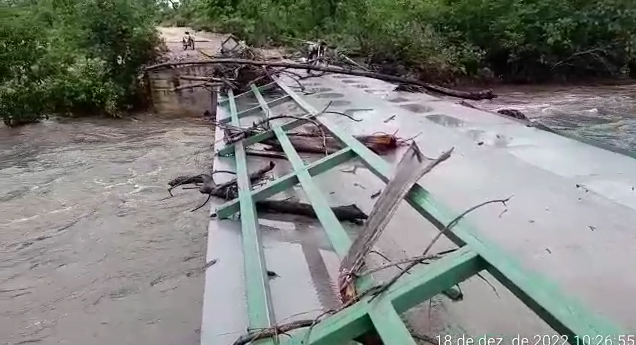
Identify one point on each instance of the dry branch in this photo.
(478, 95)
(272, 331)
(195, 85)
(419, 259)
(208, 81)
(410, 169)
(267, 154)
(350, 213)
(448, 227)
(231, 187)
(198, 78)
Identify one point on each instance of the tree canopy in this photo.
(72, 58)
(530, 40)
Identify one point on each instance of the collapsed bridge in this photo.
(320, 281)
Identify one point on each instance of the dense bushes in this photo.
(530, 40)
(542, 38)
(73, 58)
(81, 57)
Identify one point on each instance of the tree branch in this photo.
(478, 95)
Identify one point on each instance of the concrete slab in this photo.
(571, 218)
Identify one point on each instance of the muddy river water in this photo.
(92, 250)
(606, 114)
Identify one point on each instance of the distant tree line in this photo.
(518, 41)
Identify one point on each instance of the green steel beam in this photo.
(337, 235)
(416, 288)
(336, 329)
(564, 315)
(261, 88)
(388, 324)
(334, 230)
(256, 282)
(407, 292)
(257, 109)
(288, 181)
(461, 265)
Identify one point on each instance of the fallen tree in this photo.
(476, 95)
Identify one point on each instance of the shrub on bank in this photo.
(68, 58)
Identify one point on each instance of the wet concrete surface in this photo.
(564, 193)
(93, 251)
(549, 226)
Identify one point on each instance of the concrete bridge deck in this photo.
(572, 217)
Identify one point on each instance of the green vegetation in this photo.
(84, 57)
(73, 58)
(529, 40)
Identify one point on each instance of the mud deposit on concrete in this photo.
(92, 250)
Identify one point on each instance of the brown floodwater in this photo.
(605, 114)
(91, 249)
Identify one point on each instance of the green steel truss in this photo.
(565, 316)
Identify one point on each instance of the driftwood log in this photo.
(409, 88)
(347, 212)
(312, 143)
(231, 187)
(207, 185)
(350, 213)
(476, 95)
(229, 191)
(514, 113)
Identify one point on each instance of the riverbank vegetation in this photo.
(442, 40)
(73, 57)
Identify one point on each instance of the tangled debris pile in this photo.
(312, 139)
(237, 77)
(411, 168)
(315, 142)
(238, 66)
